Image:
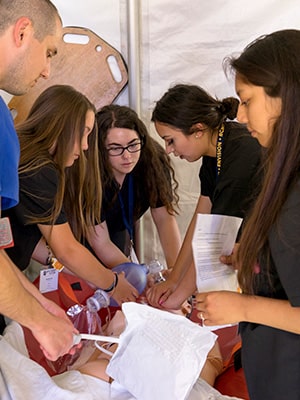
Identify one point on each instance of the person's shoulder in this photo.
(44, 174)
(236, 129)
(293, 196)
(3, 106)
(5, 115)
(50, 170)
(239, 135)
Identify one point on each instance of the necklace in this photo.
(128, 222)
(219, 148)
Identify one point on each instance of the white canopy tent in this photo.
(165, 42)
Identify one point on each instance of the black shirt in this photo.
(37, 193)
(271, 357)
(232, 191)
(112, 212)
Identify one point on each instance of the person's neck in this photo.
(120, 178)
(212, 145)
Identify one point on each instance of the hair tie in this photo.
(228, 107)
(222, 108)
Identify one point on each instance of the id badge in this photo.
(6, 238)
(48, 280)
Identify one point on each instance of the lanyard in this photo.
(219, 149)
(128, 223)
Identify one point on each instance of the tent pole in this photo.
(134, 77)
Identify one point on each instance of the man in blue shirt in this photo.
(30, 31)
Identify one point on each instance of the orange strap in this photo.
(230, 359)
(69, 297)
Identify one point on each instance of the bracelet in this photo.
(50, 255)
(53, 262)
(113, 285)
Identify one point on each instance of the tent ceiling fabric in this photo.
(186, 42)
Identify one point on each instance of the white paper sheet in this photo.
(214, 236)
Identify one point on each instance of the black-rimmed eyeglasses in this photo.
(119, 150)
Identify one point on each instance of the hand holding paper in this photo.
(214, 236)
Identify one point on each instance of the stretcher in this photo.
(84, 61)
(25, 379)
(72, 290)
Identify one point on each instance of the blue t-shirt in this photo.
(9, 159)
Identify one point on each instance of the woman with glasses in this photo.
(136, 175)
(194, 124)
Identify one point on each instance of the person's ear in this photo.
(199, 130)
(21, 29)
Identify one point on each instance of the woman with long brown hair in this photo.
(60, 127)
(267, 79)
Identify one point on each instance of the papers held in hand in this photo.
(214, 236)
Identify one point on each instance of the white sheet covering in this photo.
(160, 354)
(23, 379)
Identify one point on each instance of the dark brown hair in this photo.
(272, 62)
(183, 106)
(153, 169)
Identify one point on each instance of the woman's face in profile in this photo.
(187, 147)
(257, 110)
(82, 144)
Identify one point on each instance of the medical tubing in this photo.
(100, 299)
(100, 338)
(155, 268)
(103, 349)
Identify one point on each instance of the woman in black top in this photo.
(194, 125)
(136, 175)
(267, 80)
(58, 130)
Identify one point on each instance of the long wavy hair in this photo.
(272, 62)
(183, 106)
(153, 170)
(47, 137)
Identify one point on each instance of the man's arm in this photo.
(21, 301)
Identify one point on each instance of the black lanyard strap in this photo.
(128, 222)
(219, 149)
